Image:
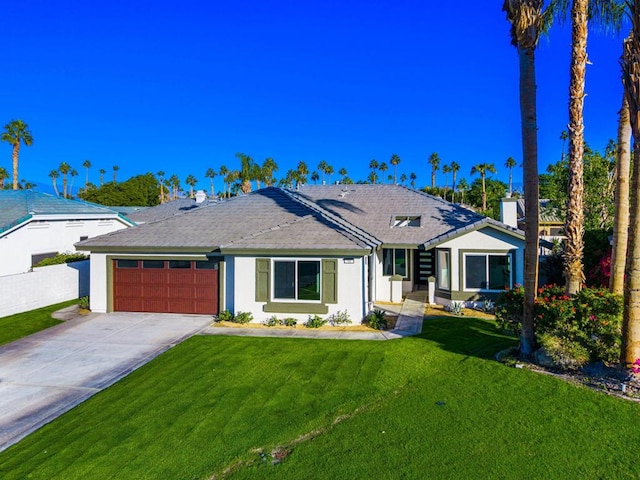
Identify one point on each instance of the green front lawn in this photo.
(20, 325)
(432, 406)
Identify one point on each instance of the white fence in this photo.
(43, 287)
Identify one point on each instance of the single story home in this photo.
(319, 249)
(35, 226)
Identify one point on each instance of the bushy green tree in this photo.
(495, 191)
(141, 190)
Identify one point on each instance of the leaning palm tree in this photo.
(482, 169)
(64, 169)
(510, 163)
(528, 19)
(3, 176)
(86, 164)
(210, 174)
(621, 214)
(630, 63)
(16, 132)
(434, 160)
(395, 160)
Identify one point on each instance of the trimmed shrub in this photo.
(60, 258)
(273, 321)
(509, 310)
(290, 322)
(225, 316)
(314, 322)
(243, 317)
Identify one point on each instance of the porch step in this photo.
(412, 313)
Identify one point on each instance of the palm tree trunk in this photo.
(574, 224)
(15, 154)
(621, 220)
(484, 195)
(55, 187)
(64, 185)
(529, 122)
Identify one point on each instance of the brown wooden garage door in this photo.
(165, 286)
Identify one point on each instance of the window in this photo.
(296, 279)
(127, 263)
(394, 262)
(406, 221)
(207, 265)
(184, 264)
(84, 237)
(444, 269)
(487, 272)
(153, 264)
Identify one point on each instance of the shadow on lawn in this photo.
(466, 336)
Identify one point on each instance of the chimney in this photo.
(509, 211)
(200, 196)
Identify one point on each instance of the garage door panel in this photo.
(173, 290)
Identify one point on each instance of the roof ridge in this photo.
(352, 229)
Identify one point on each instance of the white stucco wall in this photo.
(486, 239)
(51, 235)
(351, 289)
(383, 283)
(98, 282)
(43, 287)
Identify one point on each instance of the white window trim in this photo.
(448, 252)
(486, 255)
(275, 299)
(406, 277)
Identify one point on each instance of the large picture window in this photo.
(487, 272)
(394, 262)
(296, 280)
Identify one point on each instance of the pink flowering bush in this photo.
(590, 321)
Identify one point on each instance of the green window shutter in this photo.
(330, 280)
(263, 279)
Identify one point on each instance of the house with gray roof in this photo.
(35, 225)
(314, 250)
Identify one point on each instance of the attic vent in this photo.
(406, 221)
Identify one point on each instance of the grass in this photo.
(431, 406)
(20, 325)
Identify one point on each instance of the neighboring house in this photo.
(550, 225)
(316, 250)
(35, 226)
(168, 209)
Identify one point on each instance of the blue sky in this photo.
(183, 86)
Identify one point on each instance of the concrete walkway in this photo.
(48, 373)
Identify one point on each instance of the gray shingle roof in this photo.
(17, 206)
(267, 218)
(165, 210)
(331, 217)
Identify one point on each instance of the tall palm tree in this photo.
(54, 174)
(510, 163)
(174, 181)
(434, 160)
(102, 172)
(607, 12)
(315, 176)
(621, 214)
(191, 181)
(161, 183)
(86, 164)
(383, 167)
(463, 186)
(630, 63)
(16, 132)
(373, 165)
(455, 168)
(343, 173)
(64, 169)
(482, 169)
(246, 172)
(372, 177)
(395, 160)
(74, 174)
(210, 174)
(403, 178)
(302, 171)
(115, 171)
(329, 172)
(446, 169)
(528, 19)
(3, 176)
(564, 136)
(413, 177)
(322, 167)
(256, 174)
(224, 171)
(268, 168)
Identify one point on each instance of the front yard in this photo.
(430, 406)
(20, 325)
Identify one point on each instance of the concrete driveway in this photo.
(47, 374)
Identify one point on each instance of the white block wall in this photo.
(43, 287)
